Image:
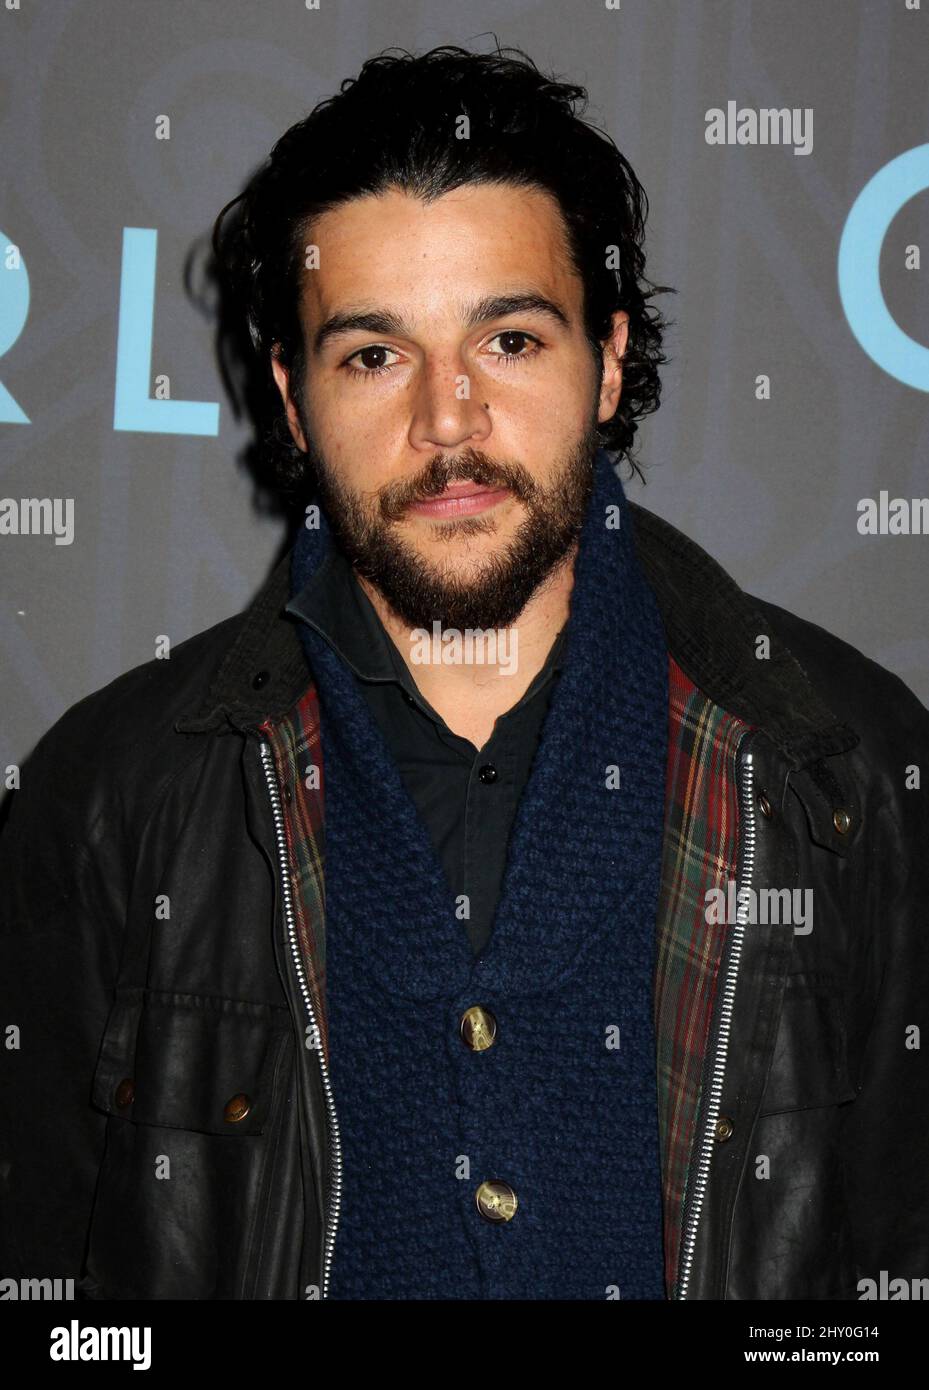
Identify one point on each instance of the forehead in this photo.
(394, 249)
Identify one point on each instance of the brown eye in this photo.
(516, 346)
(372, 357)
(513, 342)
(371, 360)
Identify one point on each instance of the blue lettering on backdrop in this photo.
(134, 409)
(14, 310)
(860, 267)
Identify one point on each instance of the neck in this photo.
(472, 691)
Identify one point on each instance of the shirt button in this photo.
(496, 1200)
(408, 697)
(724, 1128)
(487, 773)
(478, 1028)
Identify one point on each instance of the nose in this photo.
(445, 416)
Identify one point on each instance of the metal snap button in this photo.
(236, 1109)
(125, 1093)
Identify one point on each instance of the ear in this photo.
(614, 350)
(281, 376)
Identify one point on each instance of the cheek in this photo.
(560, 408)
(356, 445)
(351, 412)
(566, 391)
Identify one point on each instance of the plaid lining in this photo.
(700, 851)
(295, 744)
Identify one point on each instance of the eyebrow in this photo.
(474, 313)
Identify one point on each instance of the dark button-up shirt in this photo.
(466, 797)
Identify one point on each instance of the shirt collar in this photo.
(334, 603)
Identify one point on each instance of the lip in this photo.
(461, 499)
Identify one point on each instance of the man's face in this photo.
(451, 396)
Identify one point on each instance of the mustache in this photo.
(469, 467)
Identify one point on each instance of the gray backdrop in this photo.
(167, 539)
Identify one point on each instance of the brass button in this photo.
(237, 1108)
(478, 1028)
(724, 1128)
(125, 1093)
(496, 1200)
(766, 808)
(841, 820)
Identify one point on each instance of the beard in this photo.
(420, 592)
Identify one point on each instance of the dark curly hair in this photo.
(395, 125)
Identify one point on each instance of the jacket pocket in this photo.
(188, 1061)
(195, 1088)
(810, 1063)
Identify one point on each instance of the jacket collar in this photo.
(712, 629)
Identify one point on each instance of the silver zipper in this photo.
(715, 1089)
(335, 1143)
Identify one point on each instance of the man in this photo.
(507, 905)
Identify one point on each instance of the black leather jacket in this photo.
(146, 984)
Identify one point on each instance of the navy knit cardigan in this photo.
(563, 1105)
